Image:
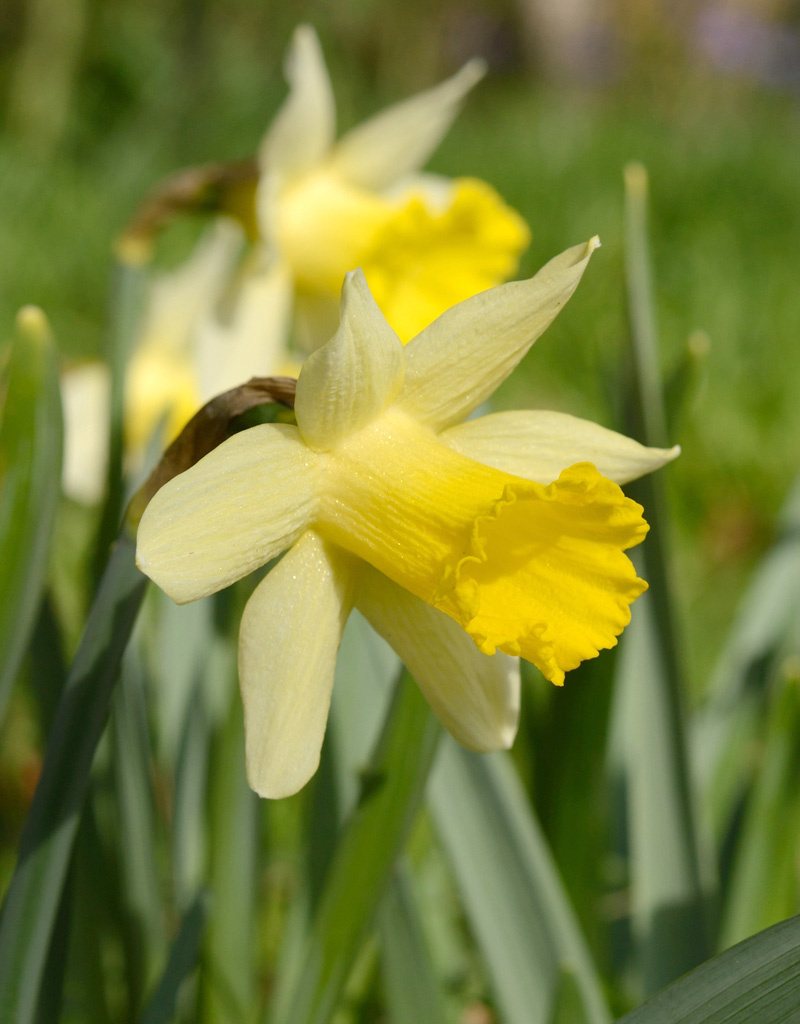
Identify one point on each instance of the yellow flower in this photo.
(461, 542)
(324, 207)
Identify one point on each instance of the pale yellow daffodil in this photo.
(461, 542)
(324, 207)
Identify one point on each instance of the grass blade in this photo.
(228, 981)
(33, 897)
(182, 961)
(667, 881)
(189, 833)
(138, 841)
(730, 720)
(30, 471)
(519, 912)
(413, 995)
(666, 904)
(392, 789)
(756, 981)
(763, 887)
(125, 312)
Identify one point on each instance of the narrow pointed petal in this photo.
(538, 445)
(351, 380)
(304, 128)
(289, 637)
(475, 696)
(178, 299)
(459, 360)
(241, 505)
(253, 342)
(399, 140)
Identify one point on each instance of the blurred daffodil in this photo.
(324, 207)
(207, 326)
(461, 542)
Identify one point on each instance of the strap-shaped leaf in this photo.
(519, 912)
(667, 888)
(30, 475)
(413, 992)
(756, 981)
(33, 897)
(182, 961)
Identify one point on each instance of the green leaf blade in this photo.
(519, 912)
(758, 980)
(33, 897)
(413, 993)
(30, 480)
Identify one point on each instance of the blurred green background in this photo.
(104, 98)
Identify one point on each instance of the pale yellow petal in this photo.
(250, 339)
(400, 139)
(178, 299)
(538, 445)
(348, 382)
(85, 401)
(305, 126)
(475, 696)
(459, 360)
(240, 506)
(289, 637)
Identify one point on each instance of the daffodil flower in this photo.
(186, 352)
(463, 543)
(324, 207)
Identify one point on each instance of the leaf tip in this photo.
(33, 325)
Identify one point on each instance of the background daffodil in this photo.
(324, 207)
(452, 539)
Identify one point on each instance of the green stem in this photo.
(648, 410)
(127, 296)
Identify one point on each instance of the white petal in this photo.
(305, 126)
(240, 506)
(475, 696)
(85, 400)
(348, 382)
(458, 361)
(289, 637)
(399, 140)
(538, 445)
(252, 340)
